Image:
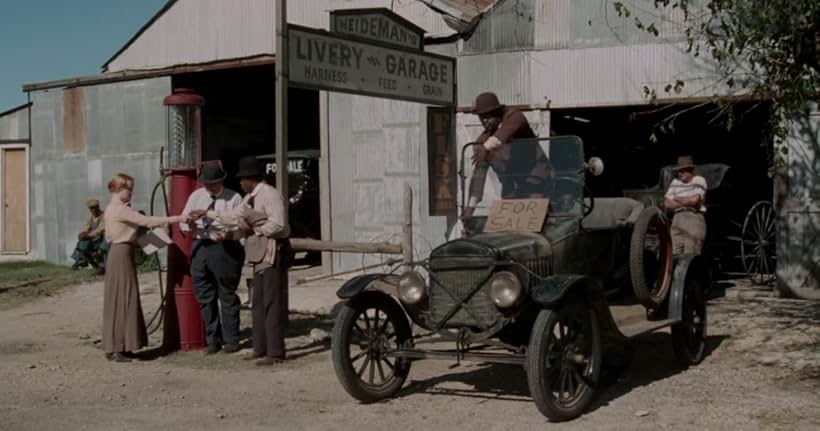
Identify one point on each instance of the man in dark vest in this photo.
(510, 147)
(216, 260)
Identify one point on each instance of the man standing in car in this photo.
(522, 167)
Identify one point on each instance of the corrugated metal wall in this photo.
(198, 31)
(124, 130)
(14, 125)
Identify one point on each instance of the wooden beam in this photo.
(308, 244)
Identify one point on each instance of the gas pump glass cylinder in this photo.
(183, 108)
(181, 136)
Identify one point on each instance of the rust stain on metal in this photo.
(73, 120)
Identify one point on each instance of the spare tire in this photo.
(650, 257)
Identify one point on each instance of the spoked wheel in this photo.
(689, 336)
(757, 247)
(650, 258)
(564, 360)
(367, 329)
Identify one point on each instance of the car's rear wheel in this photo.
(367, 329)
(650, 258)
(689, 335)
(564, 360)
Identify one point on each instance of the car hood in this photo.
(518, 246)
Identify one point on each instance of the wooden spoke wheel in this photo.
(757, 245)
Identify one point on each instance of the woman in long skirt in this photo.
(123, 328)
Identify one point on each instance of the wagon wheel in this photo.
(757, 245)
(367, 330)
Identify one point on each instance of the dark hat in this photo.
(211, 173)
(249, 167)
(684, 162)
(486, 103)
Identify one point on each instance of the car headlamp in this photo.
(412, 287)
(505, 289)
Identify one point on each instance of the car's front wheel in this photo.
(564, 360)
(367, 329)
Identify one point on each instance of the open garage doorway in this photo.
(634, 148)
(238, 121)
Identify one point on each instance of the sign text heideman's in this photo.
(376, 27)
(326, 61)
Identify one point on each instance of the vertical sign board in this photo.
(326, 61)
(441, 161)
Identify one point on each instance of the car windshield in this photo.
(549, 168)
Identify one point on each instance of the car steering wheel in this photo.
(587, 206)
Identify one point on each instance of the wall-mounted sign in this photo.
(517, 215)
(441, 161)
(379, 25)
(321, 60)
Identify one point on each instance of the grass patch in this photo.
(22, 282)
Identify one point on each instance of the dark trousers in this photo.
(216, 268)
(270, 311)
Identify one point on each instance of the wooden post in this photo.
(407, 227)
(281, 103)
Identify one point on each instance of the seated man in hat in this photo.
(685, 197)
(216, 260)
(91, 246)
(522, 167)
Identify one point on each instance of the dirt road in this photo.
(763, 372)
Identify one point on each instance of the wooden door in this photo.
(15, 182)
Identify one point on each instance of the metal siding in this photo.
(585, 24)
(125, 125)
(509, 26)
(14, 125)
(506, 73)
(616, 75)
(200, 31)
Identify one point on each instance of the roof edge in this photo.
(139, 33)
(15, 109)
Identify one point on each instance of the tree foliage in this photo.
(765, 49)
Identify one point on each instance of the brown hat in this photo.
(92, 203)
(486, 103)
(684, 162)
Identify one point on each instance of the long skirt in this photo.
(123, 327)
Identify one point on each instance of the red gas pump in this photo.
(183, 328)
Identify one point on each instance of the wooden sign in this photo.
(378, 25)
(517, 215)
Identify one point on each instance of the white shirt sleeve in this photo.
(187, 210)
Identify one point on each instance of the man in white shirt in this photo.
(686, 196)
(216, 260)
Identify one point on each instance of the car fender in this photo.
(551, 290)
(685, 266)
(387, 283)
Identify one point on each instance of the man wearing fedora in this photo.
(685, 197)
(522, 167)
(216, 260)
(91, 246)
(261, 217)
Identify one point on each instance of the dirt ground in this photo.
(762, 372)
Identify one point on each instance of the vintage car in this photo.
(562, 301)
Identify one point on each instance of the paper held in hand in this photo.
(153, 240)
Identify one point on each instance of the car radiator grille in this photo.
(480, 310)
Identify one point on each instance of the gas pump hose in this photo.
(155, 322)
